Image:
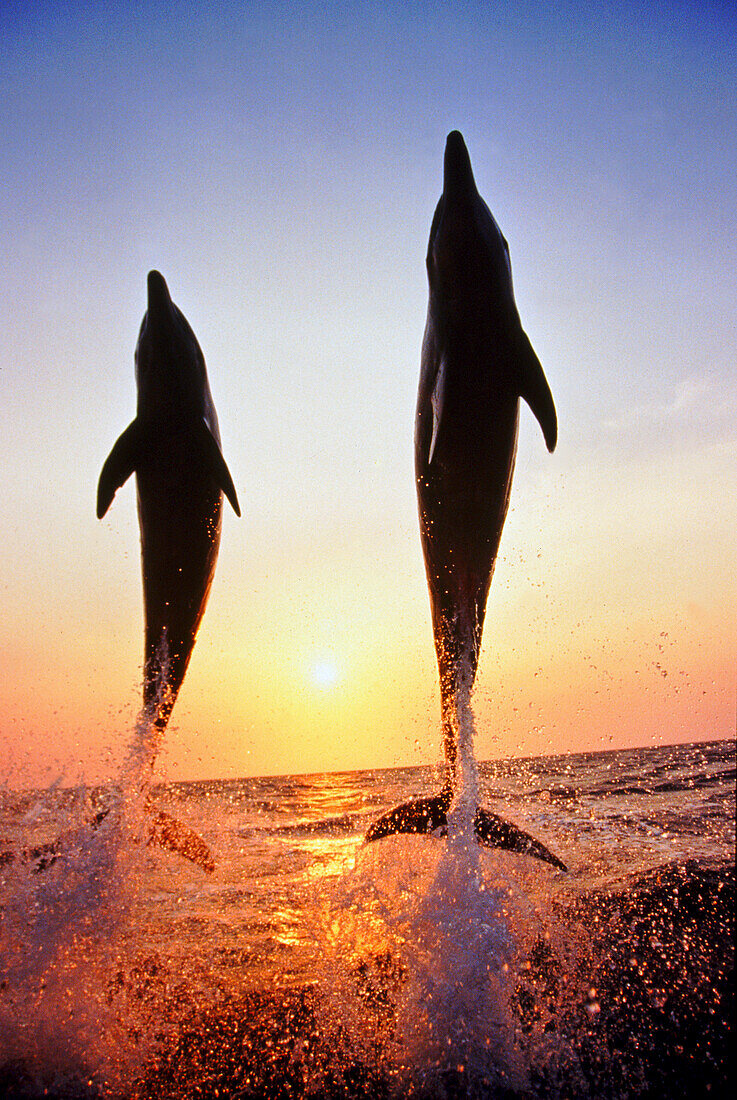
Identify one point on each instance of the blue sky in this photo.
(280, 164)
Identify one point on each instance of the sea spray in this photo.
(136, 772)
(64, 916)
(58, 928)
(455, 1021)
(428, 929)
(455, 1024)
(462, 812)
(425, 943)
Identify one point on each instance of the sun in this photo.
(324, 673)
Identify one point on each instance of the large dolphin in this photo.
(173, 446)
(476, 364)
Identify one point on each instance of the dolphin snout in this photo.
(455, 143)
(158, 292)
(457, 171)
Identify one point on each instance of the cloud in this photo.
(693, 397)
(682, 402)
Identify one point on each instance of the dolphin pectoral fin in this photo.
(118, 467)
(534, 388)
(494, 832)
(169, 833)
(218, 467)
(437, 401)
(422, 815)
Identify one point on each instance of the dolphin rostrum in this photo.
(173, 447)
(476, 364)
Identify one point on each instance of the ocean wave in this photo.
(672, 785)
(342, 825)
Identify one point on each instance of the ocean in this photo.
(311, 964)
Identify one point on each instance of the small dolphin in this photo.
(476, 364)
(173, 446)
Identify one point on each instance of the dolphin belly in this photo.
(180, 521)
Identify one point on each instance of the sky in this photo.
(280, 164)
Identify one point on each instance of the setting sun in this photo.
(324, 673)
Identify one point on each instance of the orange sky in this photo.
(577, 654)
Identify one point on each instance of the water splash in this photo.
(57, 939)
(66, 913)
(462, 813)
(456, 1027)
(455, 1020)
(436, 927)
(136, 772)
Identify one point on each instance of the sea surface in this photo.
(311, 964)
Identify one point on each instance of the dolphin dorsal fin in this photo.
(534, 388)
(119, 465)
(217, 466)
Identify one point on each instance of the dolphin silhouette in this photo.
(173, 446)
(476, 364)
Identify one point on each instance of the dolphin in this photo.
(477, 362)
(173, 447)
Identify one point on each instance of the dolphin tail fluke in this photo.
(39, 858)
(494, 832)
(163, 830)
(169, 833)
(422, 815)
(218, 467)
(119, 465)
(426, 815)
(534, 388)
